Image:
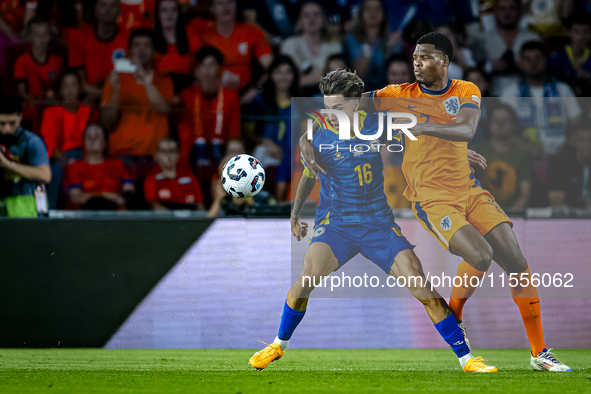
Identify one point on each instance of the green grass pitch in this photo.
(300, 370)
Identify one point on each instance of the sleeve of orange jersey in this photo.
(257, 39)
(380, 97)
(469, 96)
(50, 128)
(194, 31)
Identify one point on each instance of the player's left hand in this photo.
(476, 159)
(298, 229)
(308, 155)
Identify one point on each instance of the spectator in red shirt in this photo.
(136, 105)
(212, 112)
(172, 45)
(37, 70)
(98, 182)
(172, 186)
(62, 129)
(239, 43)
(14, 15)
(136, 14)
(93, 48)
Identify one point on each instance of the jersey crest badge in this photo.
(319, 231)
(452, 105)
(446, 223)
(243, 48)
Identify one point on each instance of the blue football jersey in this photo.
(352, 192)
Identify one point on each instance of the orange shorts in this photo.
(442, 218)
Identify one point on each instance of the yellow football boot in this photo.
(261, 359)
(476, 364)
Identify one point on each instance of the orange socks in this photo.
(526, 298)
(528, 302)
(459, 295)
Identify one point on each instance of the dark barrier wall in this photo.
(72, 283)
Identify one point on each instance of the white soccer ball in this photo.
(243, 176)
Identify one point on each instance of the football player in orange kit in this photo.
(446, 198)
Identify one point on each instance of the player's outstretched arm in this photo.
(308, 153)
(462, 130)
(300, 229)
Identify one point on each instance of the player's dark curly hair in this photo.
(341, 81)
(440, 41)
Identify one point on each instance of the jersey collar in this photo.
(578, 62)
(436, 92)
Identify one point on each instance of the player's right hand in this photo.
(476, 159)
(298, 229)
(308, 155)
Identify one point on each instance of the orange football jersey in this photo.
(433, 167)
(245, 42)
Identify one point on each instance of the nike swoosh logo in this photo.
(531, 303)
(409, 107)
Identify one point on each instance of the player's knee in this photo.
(481, 258)
(312, 273)
(314, 269)
(517, 261)
(429, 302)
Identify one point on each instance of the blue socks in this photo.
(452, 334)
(289, 321)
(448, 329)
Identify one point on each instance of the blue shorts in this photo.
(380, 246)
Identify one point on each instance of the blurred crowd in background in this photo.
(139, 102)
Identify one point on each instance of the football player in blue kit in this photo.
(354, 217)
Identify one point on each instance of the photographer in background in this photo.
(23, 162)
(136, 101)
